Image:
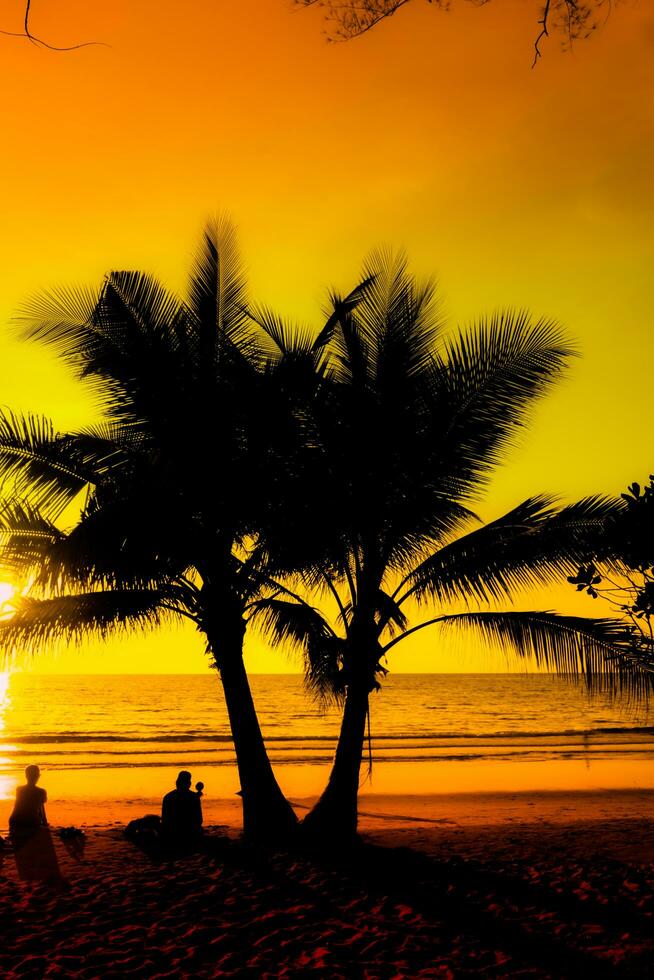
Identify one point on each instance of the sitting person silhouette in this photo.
(29, 809)
(181, 812)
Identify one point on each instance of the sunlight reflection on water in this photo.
(7, 787)
(6, 782)
(4, 696)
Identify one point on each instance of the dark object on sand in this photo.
(144, 831)
(71, 833)
(74, 840)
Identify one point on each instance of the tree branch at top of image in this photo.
(575, 20)
(39, 42)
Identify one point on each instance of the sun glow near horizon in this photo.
(7, 593)
(6, 781)
(5, 677)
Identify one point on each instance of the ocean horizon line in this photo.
(16, 671)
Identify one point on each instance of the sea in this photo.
(124, 737)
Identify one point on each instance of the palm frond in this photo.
(280, 339)
(599, 651)
(483, 388)
(38, 463)
(419, 521)
(341, 306)
(217, 293)
(143, 369)
(534, 544)
(107, 335)
(26, 537)
(386, 330)
(350, 356)
(61, 317)
(72, 619)
(400, 318)
(305, 631)
(82, 327)
(114, 448)
(135, 309)
(389, 614)
(133, 538)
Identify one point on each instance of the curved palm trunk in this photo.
(335, 814)
(267, 814)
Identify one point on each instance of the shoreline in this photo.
(469, 809)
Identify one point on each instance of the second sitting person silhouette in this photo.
(181, 813)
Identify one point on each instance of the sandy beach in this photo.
(498, 885)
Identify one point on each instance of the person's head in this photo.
(32, 774)
(183, 780)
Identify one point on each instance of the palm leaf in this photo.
(123, 333)
(63, 317)
(400, 319)
(304, 630)
(286, 338)
(72, 619)
(390, 615)
(26, 537)
(217, 295)
(341, 307)
(131, 539)
(482, 389)
(601, 651)
(534, 544)
(38, 462)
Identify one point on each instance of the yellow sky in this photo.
(514, 187)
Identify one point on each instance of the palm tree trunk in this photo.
(267, 814)
(334, 817)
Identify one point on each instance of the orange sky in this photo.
(515, 187)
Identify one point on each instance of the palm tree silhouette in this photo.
(177, 482)
(237, 452)
(410, 426)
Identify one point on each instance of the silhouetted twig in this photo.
(544, 33)
(33, 39)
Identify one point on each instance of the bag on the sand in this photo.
(71, 833)
(144, 830)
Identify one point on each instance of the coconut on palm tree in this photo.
(410, 424)
(187, 467)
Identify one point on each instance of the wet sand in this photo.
(504, 885)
